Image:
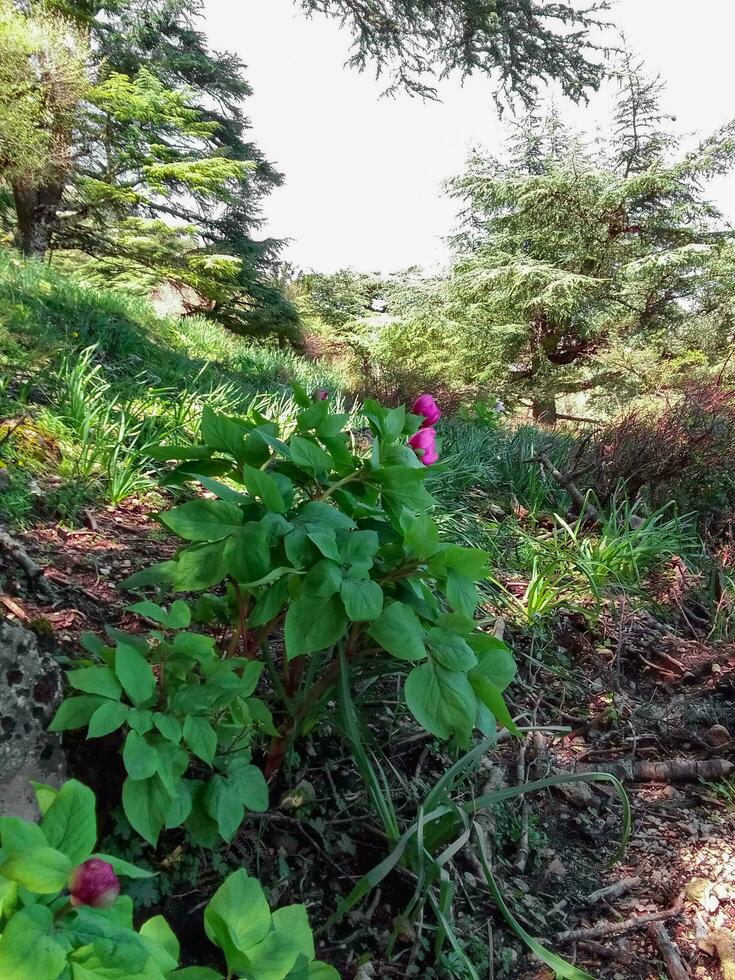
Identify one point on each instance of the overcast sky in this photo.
(364, 173)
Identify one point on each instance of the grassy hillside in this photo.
(89, 378)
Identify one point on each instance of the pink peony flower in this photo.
(94, 883)
(320, 395)
(424, 446)
(426, 406)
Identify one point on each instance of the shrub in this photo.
(326, 541)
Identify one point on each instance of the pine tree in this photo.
(521, 42)
(574, 270)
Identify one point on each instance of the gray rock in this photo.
(30, 690)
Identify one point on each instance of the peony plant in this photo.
(62, 916)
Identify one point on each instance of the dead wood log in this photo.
(614, 891)
(624, 925)
(668, 771)
(671, 956)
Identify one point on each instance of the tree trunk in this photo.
(544, 410)
(35, 208)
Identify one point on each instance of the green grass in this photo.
(103, 377)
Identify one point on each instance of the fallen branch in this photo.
(605, 953)
(34, 573)
(624, 925)
(669, 771)
(614, 891)
(672, 958)
(566, 483)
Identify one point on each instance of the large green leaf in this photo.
(75, 712)
(69, 823)
(322, 579)
(203, 520)
(363, 600)
(450, 650)
(491, 697)
(237, 918)
(261, 484)
(222, 802)
(289, 940)
(399, 631)
(140, 758)
(224, 434)
(249, 783)
(27, 949)
(134, 673)
(442, 701)
(199, 567)
(95, 680)
(247, 555)
(494, 660)
(314, 623)
(107, 718)
(308, 456)
(146, 803)
(43, 870)
(201, 738)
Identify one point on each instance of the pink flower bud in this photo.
(94, 883)
(424, 446)
(320, 395)
(426, 406)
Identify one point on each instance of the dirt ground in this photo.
(632, 695)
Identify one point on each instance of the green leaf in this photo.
(223, 434)
(199, 567)
(179, 615)
(249, 783)
(404, 487)
(123, 868)
(289, 941)
(150, 610)
(399, 631)
(195, 973)
(313, 623)
(308, 456)
(269, 604)
(42, 870)
(95, 680)
(140, 758)
(494, 660)
(155, 575)
(201, 738)
(321, 513)
(222, 803)
(19, 835)
(107, 718)
(422, 537)
(450, 650)
(359, 546)
(75, 712)
(247, 554)
(168, 726)
(493, 701)
(140, 720)
(461, 593)
(146, 803)
(363, 600)
(237, 918)
(442, 701)
(168, 453)
(322, 579)
(299, 550)
(261, 485)
(27, 948)
(325, 539)
(466, 562)
(203, 520)
(162, 943)
(45, 795)
(134, 673)
(70, 824)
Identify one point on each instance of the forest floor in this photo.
(634, 696)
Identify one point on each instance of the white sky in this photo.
(364, 173)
